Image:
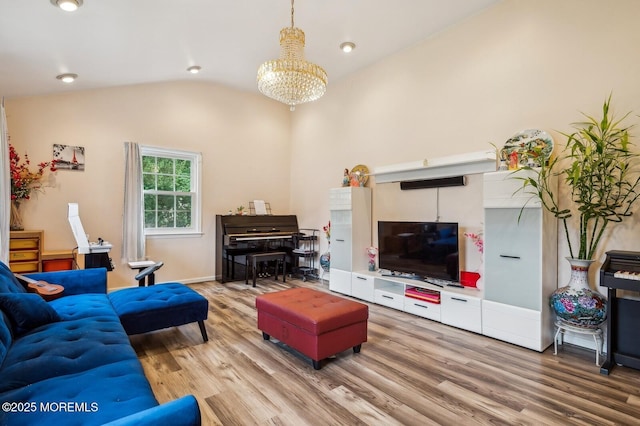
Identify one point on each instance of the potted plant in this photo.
(24, 181)
(601, 172)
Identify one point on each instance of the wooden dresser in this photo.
(25, 251)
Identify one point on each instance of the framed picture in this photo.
(68, 157)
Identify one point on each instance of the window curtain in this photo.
(5, 187)
(133, 240)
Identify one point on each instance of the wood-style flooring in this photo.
(411, 371)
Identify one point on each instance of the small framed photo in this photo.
(68, 157)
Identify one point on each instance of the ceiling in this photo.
(122, 42)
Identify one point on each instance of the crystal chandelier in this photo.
(290, 79)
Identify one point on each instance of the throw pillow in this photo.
(27, 311)
(8, 282)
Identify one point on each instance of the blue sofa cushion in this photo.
(102, 394)
(64, 348)
(8, 281)
(76, 281)
(81, 306)
(183, 411)
(5, 336)
(144, 309)
(27, 311)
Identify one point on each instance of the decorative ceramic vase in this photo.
(372, 252)
(325, 260)
(372, 265)
(15, 220)
(576, 303)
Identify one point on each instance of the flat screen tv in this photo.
(423, 249)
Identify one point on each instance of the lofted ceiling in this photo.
(122, 42)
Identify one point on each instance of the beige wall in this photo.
(519, 65)
(243, 138)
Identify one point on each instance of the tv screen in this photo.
(426, 249)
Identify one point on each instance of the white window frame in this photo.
(196, 185)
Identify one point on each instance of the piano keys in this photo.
(627, 275)
(621, 271)
(237, 236)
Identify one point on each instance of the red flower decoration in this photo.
(23, 180)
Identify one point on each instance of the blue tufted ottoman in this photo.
(144, 309)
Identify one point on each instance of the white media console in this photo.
(458, 307)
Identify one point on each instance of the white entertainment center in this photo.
(520, 262)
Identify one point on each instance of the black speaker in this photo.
(98, 260)
(433, 183)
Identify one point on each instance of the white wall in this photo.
(243, 137)
(522, 64)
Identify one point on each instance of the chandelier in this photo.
(290, 79)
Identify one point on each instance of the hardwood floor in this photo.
(411, 371)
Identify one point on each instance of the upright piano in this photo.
(238, 235)
(621, 271)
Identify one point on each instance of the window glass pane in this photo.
(165, 202)
(165, 183)
(149, 181)
(149, 164)
(150, 219)
(183, 167)
(150, 202)
(183, 202)
(165, 165)
(183, 219)
(183, 183)
(166, 219)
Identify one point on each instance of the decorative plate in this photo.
(362, 172)
(529, 144)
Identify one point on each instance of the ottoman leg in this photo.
(356, 349)
(203, 330)
(265, 336)
(316, 364)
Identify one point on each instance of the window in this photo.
(171, 189)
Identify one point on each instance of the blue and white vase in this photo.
(576, 304)
(325, 260)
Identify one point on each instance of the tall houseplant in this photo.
(601, 172)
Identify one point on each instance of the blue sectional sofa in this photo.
(70, 362)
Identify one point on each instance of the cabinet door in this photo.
(340, 281)
(362, 287)
(341, 247)
(513, 256)
(461, 311)
(422, 308)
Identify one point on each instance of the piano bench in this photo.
(252, 263)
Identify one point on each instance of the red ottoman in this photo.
(314, 323)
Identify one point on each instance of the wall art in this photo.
(68, 157)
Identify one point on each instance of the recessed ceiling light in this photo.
(347, 46)
(67, 5)
(67, 78)
(194, 69)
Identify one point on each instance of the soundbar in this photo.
(433, 183)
